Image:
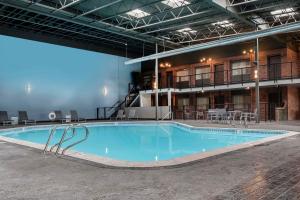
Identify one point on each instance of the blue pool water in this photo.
(145, 142)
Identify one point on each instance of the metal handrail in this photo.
(69, 138)
(62, 140)
(52, 131)
(75, 143)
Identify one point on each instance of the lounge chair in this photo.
(120, 115)
(23, 118)
(245, 116)
(233, 116)
(218, 114)
(200, 114)
(4, 118)
(132, 115)
(187, 114)
(74, 116)
(59, 116)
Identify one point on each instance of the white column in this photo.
(156, 84)
(257, 82)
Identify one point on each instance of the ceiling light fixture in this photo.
(175, 3)
(284, 12)
(187, 30)
(223, 24)
(137, 13)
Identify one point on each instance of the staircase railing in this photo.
(111, 111)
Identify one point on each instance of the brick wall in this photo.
(293, 98)
(286, 54)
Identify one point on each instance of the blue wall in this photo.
(40, 77)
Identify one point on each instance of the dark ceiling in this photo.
(106, 26)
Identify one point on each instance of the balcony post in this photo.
(291, 64)
(156, 84)
(257, 82)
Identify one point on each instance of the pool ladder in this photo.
(63, 138)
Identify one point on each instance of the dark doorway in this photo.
(274, 67)
(219, 101)
(219, 74)
(275, 99)
(169, 79)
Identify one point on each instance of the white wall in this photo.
(40, 77)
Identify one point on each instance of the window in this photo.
(202, 103)
(183, 102)
(240, 67)
(182, 75)
(202, 73)
(241, 102)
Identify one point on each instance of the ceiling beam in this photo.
(68, 5)
(98, 8)
(222, 42)
(222, 6)
(102, 26)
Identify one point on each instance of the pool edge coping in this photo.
(155, 164)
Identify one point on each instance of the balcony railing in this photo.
(273, 72)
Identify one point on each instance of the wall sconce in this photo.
(255, 74)
(28, 88)
(105, 91)
(154, 85)
(251, 51)
(205, 60)
(165, 65)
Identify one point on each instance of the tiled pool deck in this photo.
(267, 171)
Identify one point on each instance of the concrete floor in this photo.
(270, 171)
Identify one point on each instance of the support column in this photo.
(156, 83)
(257, 82)
(169, 98)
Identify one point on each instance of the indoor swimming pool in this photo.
(143, 142)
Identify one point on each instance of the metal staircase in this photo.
(56, 147)
(130, 100)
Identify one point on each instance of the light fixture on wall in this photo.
(165, 65)
(28, 88)
(205, 60)
(255, 74)
(154, 85)
(250, 51)
(105, 91)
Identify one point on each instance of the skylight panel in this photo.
(187, 30)
(175, 3)
(137, 13)
(284, 12)
(223, 24)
